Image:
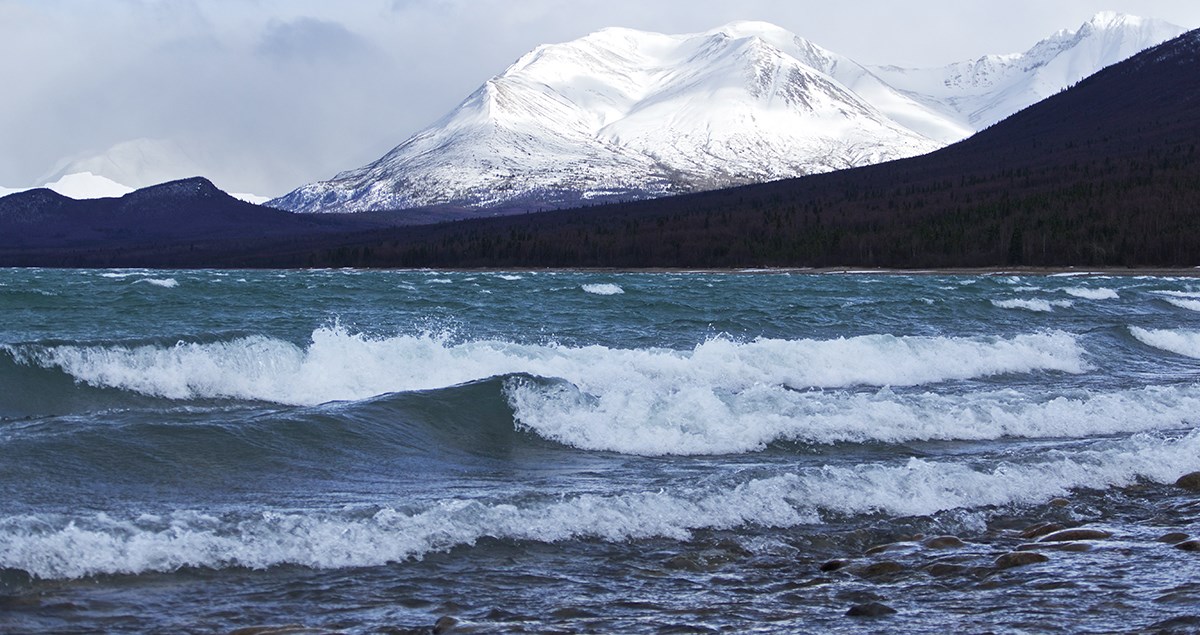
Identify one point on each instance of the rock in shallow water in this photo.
(1019, 559)
(1057, 546)
(880, 569)
(1040, 529)
(943, 542)
(1173, 537)
(870, 609)
(1069, 535)
(1190, 545)
(445, 624)
(1189, 481)
(833, 565)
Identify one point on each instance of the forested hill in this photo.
(1104, 173)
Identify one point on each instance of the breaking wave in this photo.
(66, 546)
(1180, 342)
(1040, 306)
(603, 289)
(1092, 294)
(166, 283)
(338, 365)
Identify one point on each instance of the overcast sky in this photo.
(269, 94)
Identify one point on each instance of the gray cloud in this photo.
(269, 94)
(310, 40)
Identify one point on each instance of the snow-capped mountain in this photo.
(978, 93)
(631, 114)
(624, 113)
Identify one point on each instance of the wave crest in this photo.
(76, 546)
(338, 365)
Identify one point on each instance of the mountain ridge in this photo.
(623, 114)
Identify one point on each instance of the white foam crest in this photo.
(1092, 294)
(606, 288)
(1191, 305)
(166, 283)
(1180, 341)
(703, 421)
(1037, 305)
(338, 365)
(509, 277)
(80, 546)
(1179, 294)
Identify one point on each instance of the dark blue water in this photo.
(352, 451)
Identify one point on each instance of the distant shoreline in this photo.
(1193, 272)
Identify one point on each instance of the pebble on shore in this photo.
(1019, 559)
(1189, 481)
(1070, 535)
(870, 609)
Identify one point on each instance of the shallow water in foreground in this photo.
(203, 451)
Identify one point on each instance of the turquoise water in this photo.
(359, 451)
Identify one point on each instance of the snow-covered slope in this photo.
(80, 186)
(630, 114)
(624, 113)
(980, 92)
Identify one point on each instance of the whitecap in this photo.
(1180, 342)
(166, 283)
(79, 545)
(603, 289)
(1036, 305)
(338, 365)
(1191, 305)
(1092, 294)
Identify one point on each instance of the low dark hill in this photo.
(175, 222)
(1105, 173)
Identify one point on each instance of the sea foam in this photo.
(1191, 305)
(166, 283)
(1037, 305)
(338, 365)
(1092, 294)
(606, 288)
(74, 546)
(1180, 342)
(638, 420)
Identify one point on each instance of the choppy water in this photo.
(202, 451)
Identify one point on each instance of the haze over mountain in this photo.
(624, 114)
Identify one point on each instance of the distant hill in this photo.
(42, 227)
(1105, 173)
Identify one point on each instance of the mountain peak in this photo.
(195, 187)
(751, 28)
(1112, 19)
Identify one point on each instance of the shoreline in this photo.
(1070, 271)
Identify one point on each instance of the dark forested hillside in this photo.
(1105, 173)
